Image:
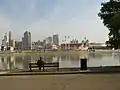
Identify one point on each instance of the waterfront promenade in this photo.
(62, 82)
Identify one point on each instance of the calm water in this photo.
(94, 59)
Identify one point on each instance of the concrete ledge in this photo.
(60, 73)
(63, 71)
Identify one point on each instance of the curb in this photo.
(60, 73)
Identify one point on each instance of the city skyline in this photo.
(54, 39)
(44, 18)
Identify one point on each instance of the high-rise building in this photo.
(44, 44)
(5, 41)
(12, 43)
(56, 39)
(26, 40)
(10, 40)
(5, 37)
(49, 40)
(18, 45)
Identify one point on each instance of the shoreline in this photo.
(65, 71)
(73, 52)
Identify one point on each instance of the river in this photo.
(21, 62)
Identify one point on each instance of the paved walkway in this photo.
(62, 82)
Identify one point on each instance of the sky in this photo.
(43, 18)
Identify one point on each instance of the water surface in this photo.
(16, 62)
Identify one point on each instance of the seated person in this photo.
(40, 62)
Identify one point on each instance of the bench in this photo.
(34, 65)
(54, 64)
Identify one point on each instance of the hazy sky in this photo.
(76, 18)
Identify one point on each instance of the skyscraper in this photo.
(49, 40)
(5, 37)
(5, 41)
(56, 39)
(12, 43)
(10, 38)
(26, 40)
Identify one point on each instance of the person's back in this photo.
(40, 62)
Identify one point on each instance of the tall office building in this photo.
(56, 39)
(12, 43)
(19, 45)
(26, 40)
(5, 37)
(49, 40)
(5, 41)
(10, 39)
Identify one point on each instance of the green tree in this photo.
(110, 14)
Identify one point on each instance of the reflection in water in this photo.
(18, 61)
(63, 57)
(69, 61)
(2, 59)
(25, 62)
(95, 59)
(55, 59)
(92, 55)
(9, 64)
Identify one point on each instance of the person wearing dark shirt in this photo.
(40, 63)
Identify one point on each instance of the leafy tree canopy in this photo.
(110, 14)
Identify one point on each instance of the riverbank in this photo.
(46, 53)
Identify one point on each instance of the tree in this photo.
(110, 14)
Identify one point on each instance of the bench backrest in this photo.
(53, 64)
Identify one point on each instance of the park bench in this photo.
(53, 64)
(33, 65)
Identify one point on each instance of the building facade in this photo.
(12, 44)
(74, 42)
(5, 41)
(49, 43)
(10, 40)
(26, 41)
(18, 45)
(70, 46)
(56, 39)
(97, 46)
(49, 40)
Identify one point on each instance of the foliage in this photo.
(110, 14)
